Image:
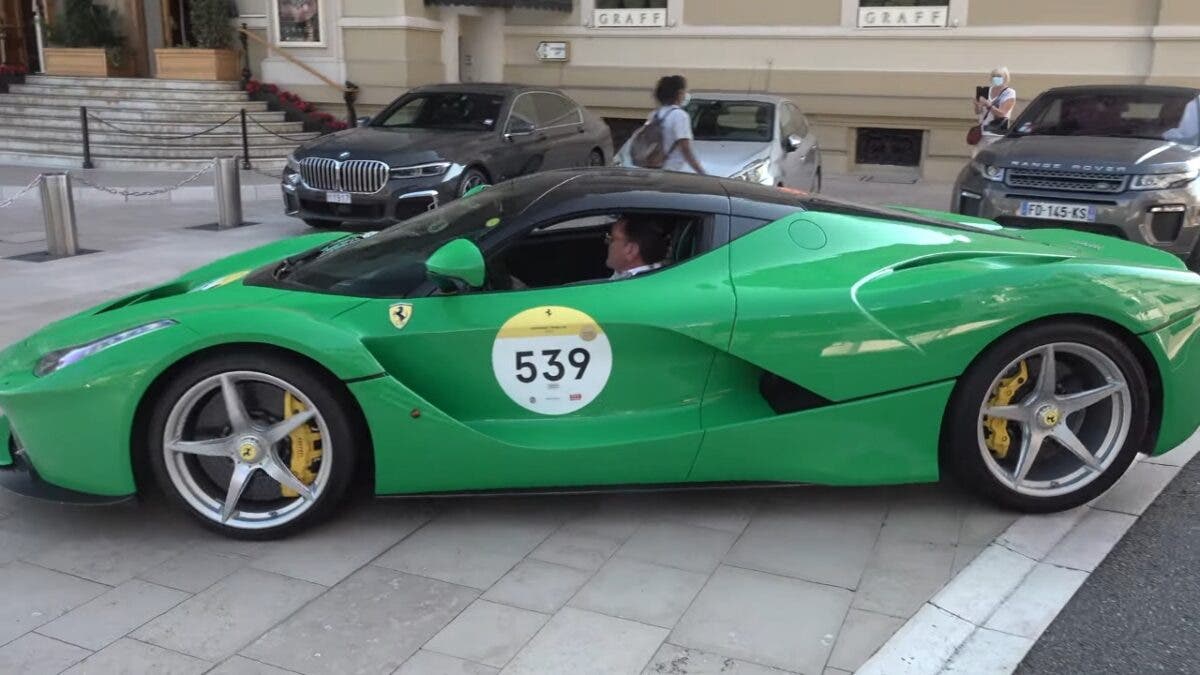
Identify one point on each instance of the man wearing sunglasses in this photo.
(635, 245)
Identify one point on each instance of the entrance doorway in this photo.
(18, 44)
(174, 18)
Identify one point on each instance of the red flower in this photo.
(307, 107)
(270, 88)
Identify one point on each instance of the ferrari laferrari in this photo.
(484, 346)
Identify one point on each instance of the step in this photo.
(181, 95)
(104, 103)
(132, 83)
(115, 114)
(281, 150)
(97, 138)
(65, 161)
(71, 123)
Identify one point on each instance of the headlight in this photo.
(421, 170)
(988, 171)
(1162, 181)
(62, 358)
(759, 172)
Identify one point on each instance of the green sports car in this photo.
(483, 346)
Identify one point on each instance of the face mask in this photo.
(997, 81)
(687, 98)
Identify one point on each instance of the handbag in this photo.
(974, 135)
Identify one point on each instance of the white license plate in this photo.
(1083, 213)
(337, 197)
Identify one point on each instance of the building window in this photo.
(630, 14)
(904, 13)
(894, 147)
(298, 23)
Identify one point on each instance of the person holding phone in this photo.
(995, 108)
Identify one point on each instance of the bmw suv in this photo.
(1116, 160)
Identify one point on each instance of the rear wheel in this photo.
(1048, 418)
(254, 445)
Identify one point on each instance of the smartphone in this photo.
(981, 92)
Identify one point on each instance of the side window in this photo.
(554, 110)
(524, 112)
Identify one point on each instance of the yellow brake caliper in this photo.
(306, 445)
(995, 428)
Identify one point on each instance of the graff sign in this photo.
(902, 17)
(629, 18)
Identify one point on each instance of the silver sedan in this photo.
(758, 138)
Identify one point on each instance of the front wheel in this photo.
(471, 179)
(1049, 418)
(254, 445)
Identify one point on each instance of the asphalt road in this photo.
(1140, 611)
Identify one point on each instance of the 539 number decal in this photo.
(527, 371)
(551, 360)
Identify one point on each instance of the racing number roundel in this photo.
(551, 360)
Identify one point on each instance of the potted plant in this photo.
(295, 109)
(210, 58)
(84, 40)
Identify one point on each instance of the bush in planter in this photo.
(210, 25)
(83, 23)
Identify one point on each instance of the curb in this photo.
(990, 615)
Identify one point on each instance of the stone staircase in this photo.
(137, 124)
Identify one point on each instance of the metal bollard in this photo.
(229, 193)
(58, 209)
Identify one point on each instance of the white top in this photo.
(676, 126)
(1008, 94)
(634, 271)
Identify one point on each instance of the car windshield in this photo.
(1158, 115)
(731, 120)
(391, 263)
(454, 111)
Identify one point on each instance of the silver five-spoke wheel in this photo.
(1063, 412)
(1049, 416)
(234, 443)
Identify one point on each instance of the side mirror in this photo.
(457, 266)
(519, 127)
(794, 142)
(363, 121)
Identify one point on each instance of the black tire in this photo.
(596, 158)
(472, 177)
(324, 392)
(962, 448)
(318, 224)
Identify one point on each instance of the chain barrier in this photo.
(160, 137)
(142, 193)
(264, 174)
(286, 138)
(37, 180)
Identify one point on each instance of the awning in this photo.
(553, 5)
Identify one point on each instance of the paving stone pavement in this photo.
(808, 580)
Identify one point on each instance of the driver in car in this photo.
(636, 244)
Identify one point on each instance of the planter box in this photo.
(177, 63)
(84, 62)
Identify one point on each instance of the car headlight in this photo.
(61, 358)
(758, 172)
(988, 171)
(421, 170)
(1162, 181)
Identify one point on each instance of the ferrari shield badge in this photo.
(400, 313)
